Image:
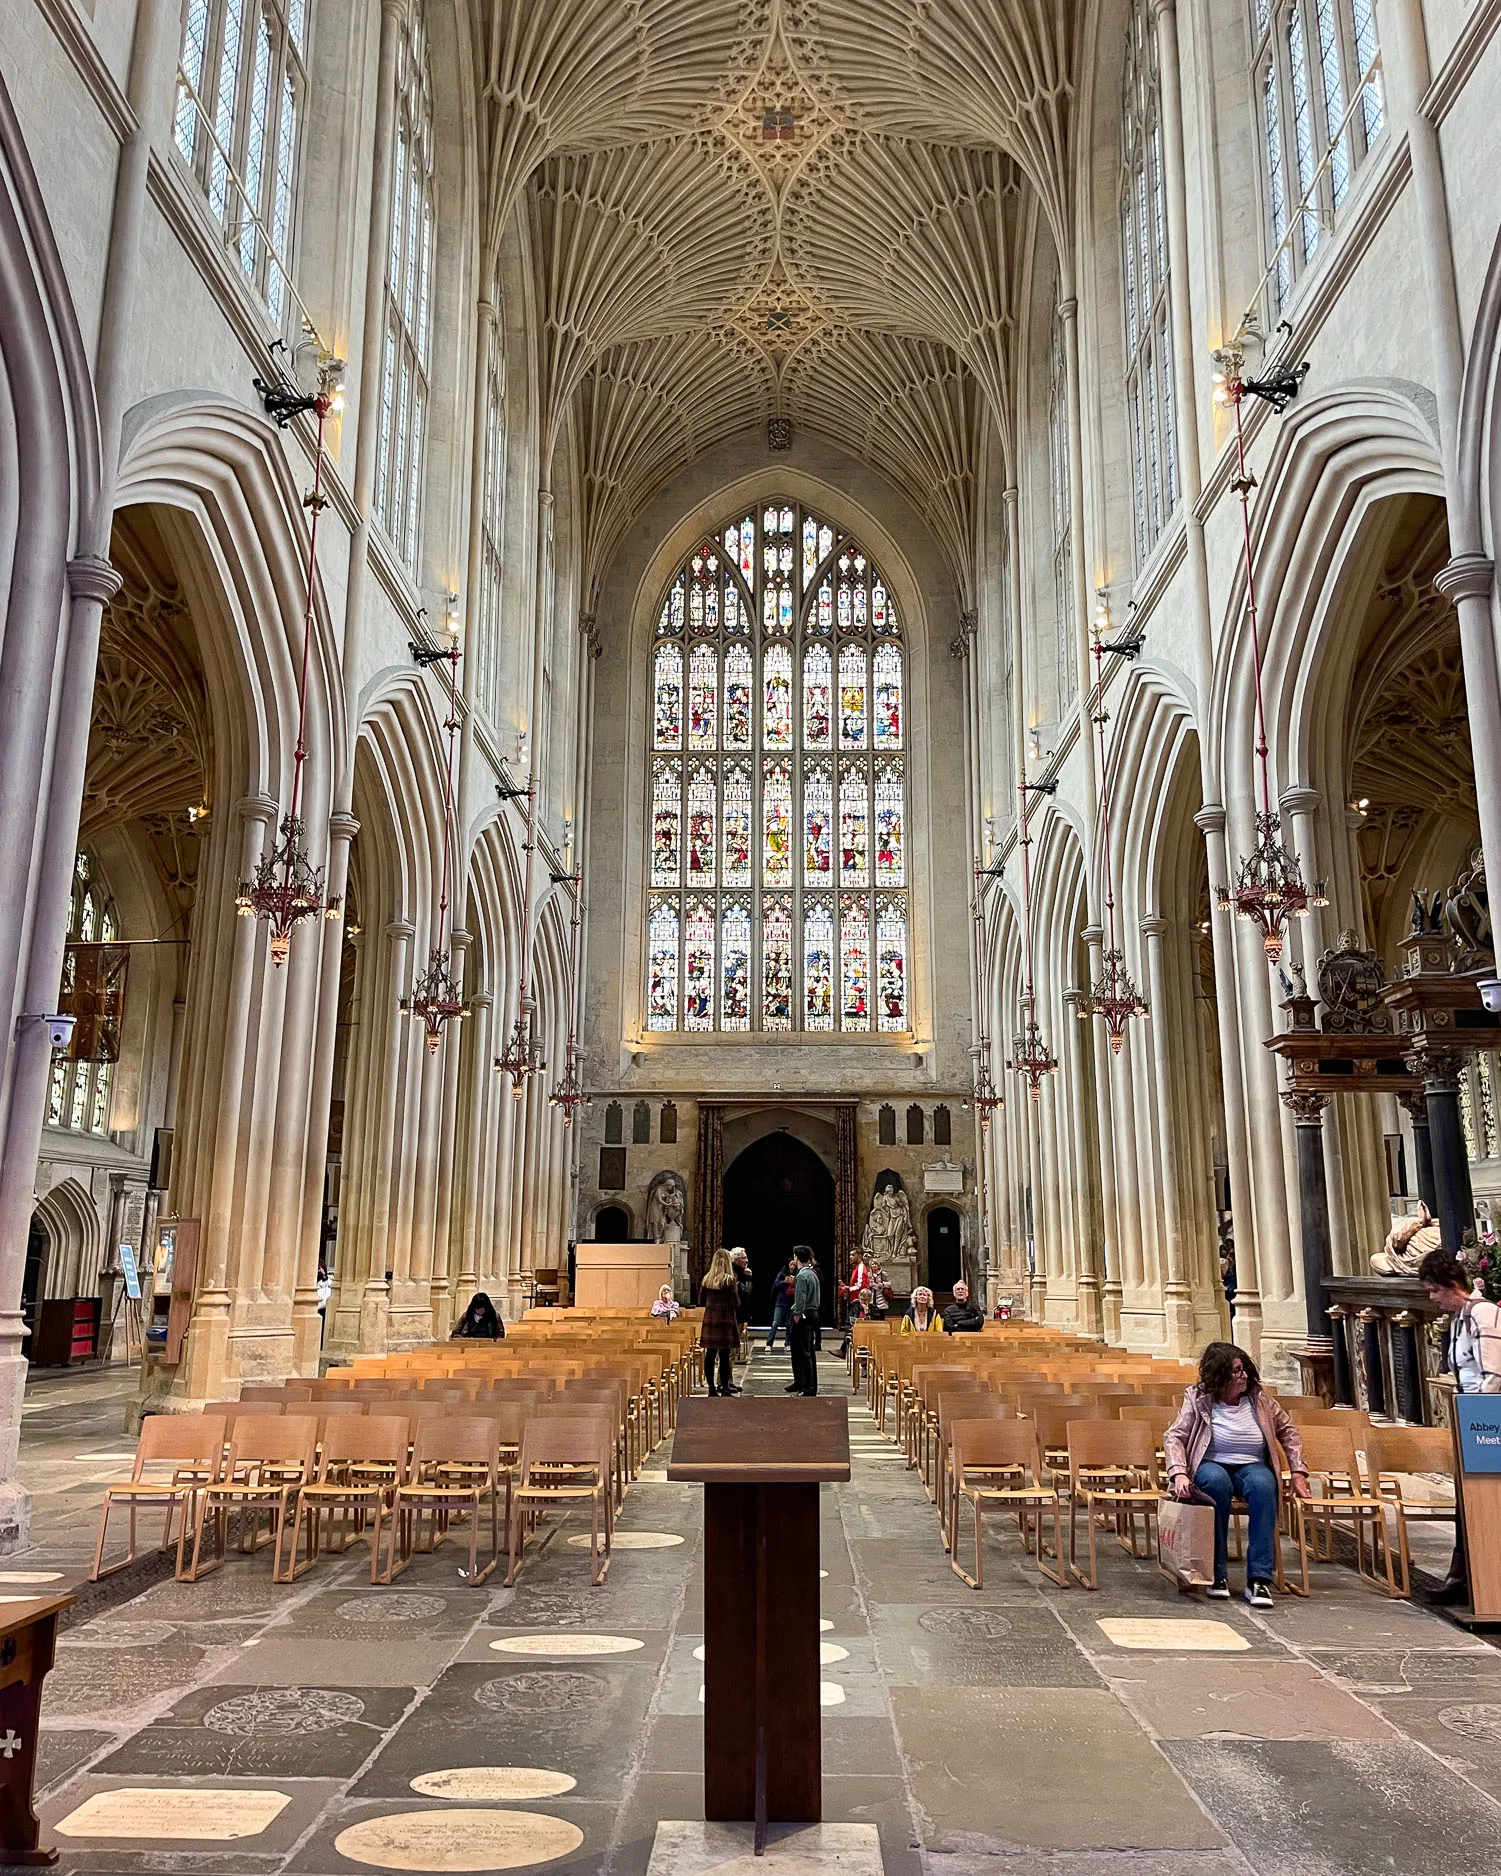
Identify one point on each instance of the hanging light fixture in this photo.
(1269, 887)
(1114, 998)
(570, 1094)
(436, 1000)
(519, 1058)
(1030, 1057)
(984, 1097)
(286, 887)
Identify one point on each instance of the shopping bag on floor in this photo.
(1185, 1542)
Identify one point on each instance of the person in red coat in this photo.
(719, 1332)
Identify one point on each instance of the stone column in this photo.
(1178, 1307)
(1087, 1276)
(1313, 1209)
(1455, 1209)
(1114, 1230)
(381, 1144)
(470, 1178)
(1210, 820)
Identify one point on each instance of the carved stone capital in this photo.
(343, 826)
(91, 577)
(1467, 576)
(1440, 1068)
(1306, 1109)
(1210, 819)
(1299, 800)
(1154, 926)
(1416, 1104)
(256, 808)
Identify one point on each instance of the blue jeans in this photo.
(1257, 1485)
(781, 1318)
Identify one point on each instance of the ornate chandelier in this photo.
(569, 1094)
(435, 999)
(1030, 1056)
(1114, 998)
(519, 1058)
(985, 1097)
(1269, 888)
(286, 887)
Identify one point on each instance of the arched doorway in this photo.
(612, 1225)
(945, 1259)
(778, 1193)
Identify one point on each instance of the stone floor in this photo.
(233, 1726)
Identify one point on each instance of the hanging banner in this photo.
(93, 994)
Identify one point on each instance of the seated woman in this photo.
(666, 1305)
(1225, 1442)
(922, 1318)
(480, 1322)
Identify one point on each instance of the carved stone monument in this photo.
(889, 1239)
(666, 1210)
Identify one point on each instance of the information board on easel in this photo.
(1477, 1471)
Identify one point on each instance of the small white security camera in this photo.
(1490, 993)
(59, 1030)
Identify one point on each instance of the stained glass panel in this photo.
(703, 697)
(726, 828)
(776, 818)
(888, 697)
(776, 964)
(852, 685)
(735, 966)
(738, 682)
(662, 966)
(737, 825)
(891, 961)
(890, 797)
(854, 961)
(702, 816)
(818, 964)
(698, 965)
(818, 815)
(666, 824)
(818, 685)
(668, 713)
(776, 722)
(854, 825)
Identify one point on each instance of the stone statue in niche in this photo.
(1407, 1243)
(666, 1210)
(889, 1239)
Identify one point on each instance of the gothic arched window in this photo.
(1149, 351)
(777, 851)
(407, 347)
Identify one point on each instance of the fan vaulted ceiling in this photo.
(741, 209)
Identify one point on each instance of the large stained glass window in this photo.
(778, 840)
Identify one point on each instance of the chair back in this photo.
(472, 1442)
(288, 1442)
(260, 1390)
(181, 1440)
(373, 1440)
(1393, 1450)
(1053, 1418)
(1294, 1404)
(987, 1443)
(556, 1441)
(1129, 1444)
(1329, 1452)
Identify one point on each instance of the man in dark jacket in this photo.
(807, 1297)
(962, 1317)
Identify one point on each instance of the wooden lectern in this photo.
(28, 1634)
(1476, 1419)
(761, 1463)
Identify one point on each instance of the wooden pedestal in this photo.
(28, 1634)
(1477, 1475)
(761, 1463)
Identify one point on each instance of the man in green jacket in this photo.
(807, 1297)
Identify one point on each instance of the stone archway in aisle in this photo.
(778, 1192)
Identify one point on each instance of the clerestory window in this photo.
(777, 861)
(1144, 260)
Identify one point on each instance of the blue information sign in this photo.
(131, 1274)
(1478, 1417)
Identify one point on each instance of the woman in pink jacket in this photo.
(1225, 1442)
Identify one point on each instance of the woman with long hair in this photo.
(1224, 1443)
(922, 1318)
(480, 1322)
(719, 1332)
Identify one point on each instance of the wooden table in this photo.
(761, 1462)
(28, 1632)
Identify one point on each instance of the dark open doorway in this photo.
(778, 1193)
(612, 1225)
(945, 1261)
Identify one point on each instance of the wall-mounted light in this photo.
(1361, 805)
(1102, 610)
(451, 614)
(1034, 744)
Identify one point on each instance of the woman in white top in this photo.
(1224, 1442)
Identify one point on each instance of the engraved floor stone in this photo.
(31, 1576)
(397, 1606)
(694, 1849)
(542, 1692)
(567, 1644)
(178, 1813)
(284, 1712)
(263, 1732)
(492, 1784)
(1480, 1720)
(113, 1633)
(458, 1840)
(633, 1540)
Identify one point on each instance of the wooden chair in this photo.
(997, 1468)
(271, 1458)
(1393, 1455)
(455, 1467)
(1339, 1496)
(362, 1461)
(1052, 1419)
(955, 1407)
(177, 1455)
(565, 1461)
(242, 1409)
(1112, 1467)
